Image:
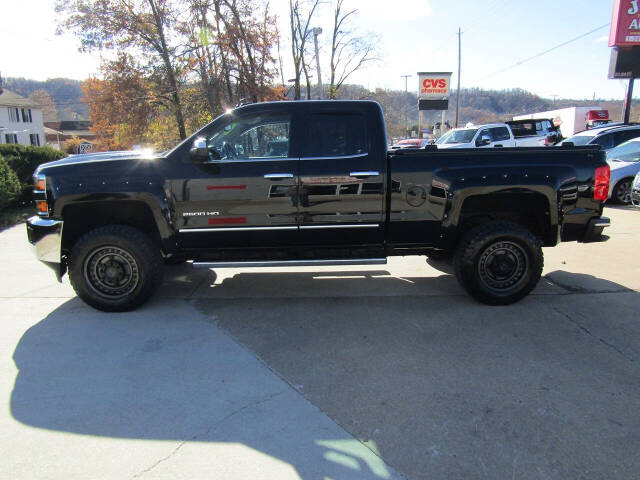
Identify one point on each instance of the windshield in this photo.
(626, 152)
(579, 139)
(458, 136)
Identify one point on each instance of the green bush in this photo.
(10, 187)
(24, 160)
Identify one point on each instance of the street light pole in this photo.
(459, 62)
(406, 126)
(627, 102)
(317, 31)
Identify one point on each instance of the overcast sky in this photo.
(414, 35)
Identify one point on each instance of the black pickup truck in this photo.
(311, 183)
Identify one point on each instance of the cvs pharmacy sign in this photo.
(433, 85)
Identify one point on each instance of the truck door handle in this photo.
(364, 174)
(278, 176)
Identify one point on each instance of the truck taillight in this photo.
(601, 185)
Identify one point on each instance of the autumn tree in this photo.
(44, 101)
(142, 25)
(230, 44)
(122, 104)
(349, 51)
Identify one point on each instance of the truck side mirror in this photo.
(482, 141)
(199, 152)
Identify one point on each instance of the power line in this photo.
(537, 55)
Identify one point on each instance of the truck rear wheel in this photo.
(498, 263)
(115, 268)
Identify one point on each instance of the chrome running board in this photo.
(293, 263)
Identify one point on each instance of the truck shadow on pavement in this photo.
(440, 386)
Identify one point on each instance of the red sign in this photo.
(598, 115)
(625, 23)
(433, 85)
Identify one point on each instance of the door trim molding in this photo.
(301, 227)
(233, 229)
(347, 225)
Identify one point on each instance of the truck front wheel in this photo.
(498, 263)
(115, 268)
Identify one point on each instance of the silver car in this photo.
(624, 161)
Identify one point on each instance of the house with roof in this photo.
(58, 132)
(20, 120)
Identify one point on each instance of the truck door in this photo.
(342, 178)
(246, 194)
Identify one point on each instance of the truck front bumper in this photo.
(45, 235)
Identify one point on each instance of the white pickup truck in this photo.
(491, 135)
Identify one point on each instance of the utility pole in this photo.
(406, 126)
(554, 95)
(627, 102)
(317, 31)
(459, 64)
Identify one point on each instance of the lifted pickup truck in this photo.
(311, 183)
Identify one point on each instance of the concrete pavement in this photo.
(352, 372)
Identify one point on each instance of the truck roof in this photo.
(288, 104)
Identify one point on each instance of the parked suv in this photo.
(607, 137)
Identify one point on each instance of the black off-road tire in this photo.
(129, 253)
(519, 260)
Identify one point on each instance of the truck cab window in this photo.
(336, 135)
(258, 137)
(500, 133)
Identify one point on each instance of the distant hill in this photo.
(476, 105)
(66, 93)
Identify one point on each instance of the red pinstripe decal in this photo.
(227, 221)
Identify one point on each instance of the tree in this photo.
(349, 52)
(122, 104)
(143, 25)
(229, 49)
(43, 100)
(300, 23)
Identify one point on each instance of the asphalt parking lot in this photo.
(334, 373)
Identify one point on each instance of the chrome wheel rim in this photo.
(502, 266)
(111, 272)
(623, 192)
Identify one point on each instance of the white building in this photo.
(20, 120)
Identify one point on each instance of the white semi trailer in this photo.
(571, 120)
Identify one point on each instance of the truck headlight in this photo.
(40, 194)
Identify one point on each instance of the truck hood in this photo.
(454, 145)
(100, 157)
(617, 165)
